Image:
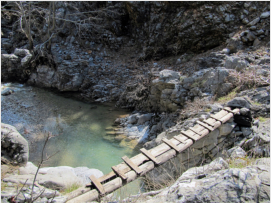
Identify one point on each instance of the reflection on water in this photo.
(79, 128)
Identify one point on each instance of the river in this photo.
(79, 128)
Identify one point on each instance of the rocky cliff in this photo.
(114, 51)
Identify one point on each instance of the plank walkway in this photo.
(142, 163)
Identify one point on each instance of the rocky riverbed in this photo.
(171, 64)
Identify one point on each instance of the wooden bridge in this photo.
(132, 168)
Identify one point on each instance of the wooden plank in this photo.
(179, 139)
(131, 164)
(210, 122)
(104, 178)
(97, 184)
(119, 172)
(169, 143)
(182, 138)
(220, 114)
(149, 155)
(192, 135)
(218, 119)
(195, 130)
(206, 126)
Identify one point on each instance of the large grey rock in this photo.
(14, 147)
(84, 173)
(226, 128)
(132, 119)
(56, 178)
(250, 184)
(239, 102)
(27, 56)
(144, 118)
(236, 152)
(235, 62)
(169, 76)
(29, 168)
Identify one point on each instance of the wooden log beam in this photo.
(161, 153)
(116, 183)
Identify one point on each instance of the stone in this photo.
(168, 76)
(14, 147)
(234, 62)
(250, 36)
(253, 182)
(84, 173)
(246, 131)
(29, 168)
(236, 152)
(239, 102)
(178, 61)
(226, 129)
(215, 165)
(4, 169)
(144, 118)
(6, 92)
(254, 22)
(226, 51)
(56, 178)
(132, 119)
(265, 15)
(21, 52)
(256, 42)
(245, 112)
(263, 161)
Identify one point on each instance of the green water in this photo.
(79, 128)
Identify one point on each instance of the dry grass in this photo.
(248, 79)
(197, 105)
(241, 162)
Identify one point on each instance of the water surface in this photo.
(79, 128)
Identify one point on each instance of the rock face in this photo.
(104, 62)
(216, 182)
(14, 148)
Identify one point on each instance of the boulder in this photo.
(239, 102)
(236, 152)
(226, 128)
(169, 76)
(205, 185)
(144, 118)
(56, 178)
(14, 147)
(235, 62)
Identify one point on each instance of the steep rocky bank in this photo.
(172, 62)
(113, 61)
